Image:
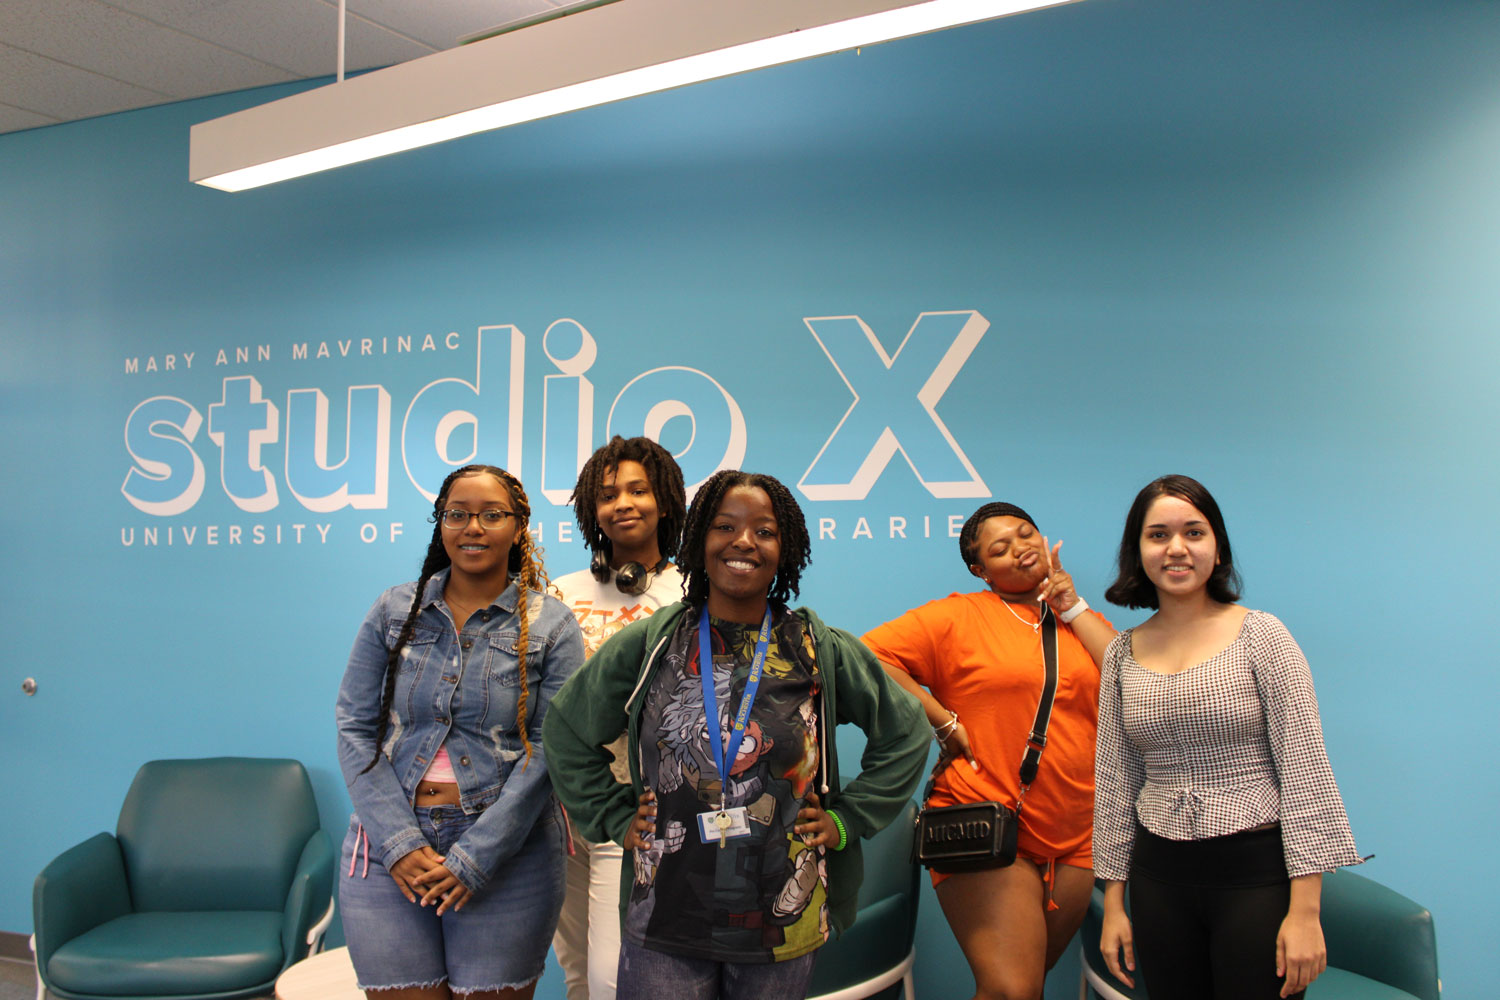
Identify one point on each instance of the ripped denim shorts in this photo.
(498, 940)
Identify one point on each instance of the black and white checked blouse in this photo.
(1226, 745)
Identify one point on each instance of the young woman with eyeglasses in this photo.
(630, 505)
(452, 871)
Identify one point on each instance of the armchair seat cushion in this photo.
(1341, 984)
(167, 954)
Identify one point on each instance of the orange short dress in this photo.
(980, 659)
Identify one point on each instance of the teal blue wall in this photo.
(1257, 242)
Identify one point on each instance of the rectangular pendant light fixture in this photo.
(595, 56)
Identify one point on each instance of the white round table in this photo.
(328, 975)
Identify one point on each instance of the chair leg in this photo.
(909, 986)
(41, 987)
(315, 933)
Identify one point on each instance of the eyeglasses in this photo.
(453, 517)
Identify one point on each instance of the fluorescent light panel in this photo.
(308, 132)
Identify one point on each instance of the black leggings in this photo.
(1206, 913)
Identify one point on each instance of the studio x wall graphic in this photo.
(288, 443)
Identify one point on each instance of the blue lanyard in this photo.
(710, 702)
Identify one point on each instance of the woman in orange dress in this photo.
(974, 661)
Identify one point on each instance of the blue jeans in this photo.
(497, 941)
(650, 975)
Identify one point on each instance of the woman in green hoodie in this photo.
(744, 846)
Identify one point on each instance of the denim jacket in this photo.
(463, 688)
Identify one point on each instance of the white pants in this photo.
(587, 941)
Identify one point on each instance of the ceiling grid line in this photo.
(84, 69)
(202, 40)
(354, 15)
(29, 111)
(81, 59)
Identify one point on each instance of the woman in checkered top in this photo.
(1214, 797)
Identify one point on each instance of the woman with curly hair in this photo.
(453, 865)
(744, 845)
(630, 505)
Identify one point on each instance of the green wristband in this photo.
(843, 834)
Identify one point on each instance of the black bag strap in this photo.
(1036, 740)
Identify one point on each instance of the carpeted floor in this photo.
(17, 980)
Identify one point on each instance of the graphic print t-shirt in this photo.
(760, 898)
(602, 609)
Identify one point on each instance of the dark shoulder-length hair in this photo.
(796, 546)
(666, 485)
(1131, 588)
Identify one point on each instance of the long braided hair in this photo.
(525, 568)
(796, 547)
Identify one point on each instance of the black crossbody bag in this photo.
(974, 836)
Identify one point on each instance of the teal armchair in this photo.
(876, 952)
(215, 881)
(1381, 946)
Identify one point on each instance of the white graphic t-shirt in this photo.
(602, 610)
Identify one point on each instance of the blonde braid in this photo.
(531, 577)
(525, 688)
(524, 566)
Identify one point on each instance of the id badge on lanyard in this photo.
(725, 824)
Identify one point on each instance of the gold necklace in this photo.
(467, 609)
(459, 607)
(1037, 627)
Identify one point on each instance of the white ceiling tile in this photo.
(48, 87)
(370, 45)
(16, 119)
(299, 35)
(441, 23)
(122, 45)
(67, 59)
(175, 11)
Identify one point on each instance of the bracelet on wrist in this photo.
(843, 834)
(941, 733)
(1079, 607)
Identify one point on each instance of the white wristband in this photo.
(1066, 617)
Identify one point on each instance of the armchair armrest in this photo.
(309, 896)
(1377, 932)
(79, 889)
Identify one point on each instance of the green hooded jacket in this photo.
(608, 693)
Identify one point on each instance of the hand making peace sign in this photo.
(1057, 589)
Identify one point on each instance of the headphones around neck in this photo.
(632, 578)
